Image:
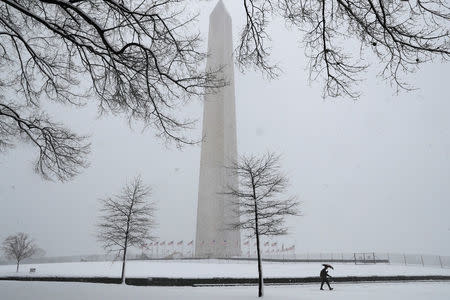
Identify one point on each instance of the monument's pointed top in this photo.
(219, 9)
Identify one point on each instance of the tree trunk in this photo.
(127, 233)
(258, 252)
(17, 267)
(124, 260)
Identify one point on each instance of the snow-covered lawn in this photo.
(212, 268)
(22, 290)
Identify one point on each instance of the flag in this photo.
(156, 243)
(224, 242)
(170, 243)
(266, 244)
(180, 243)
(274, 244)
(151, 244)
(162, 243)
(191, 243)
(213, 241)
(247, 243)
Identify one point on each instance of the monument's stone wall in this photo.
(219, 149)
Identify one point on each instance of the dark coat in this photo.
(324, 273)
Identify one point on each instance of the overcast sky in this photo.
(372, 174)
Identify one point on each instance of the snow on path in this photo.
(28, 290)
(212, 268)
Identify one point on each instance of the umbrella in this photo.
(328, 266)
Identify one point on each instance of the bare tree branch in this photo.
(137, 58)
(61, 152)
(402, 34)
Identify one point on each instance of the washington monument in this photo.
(219, 148)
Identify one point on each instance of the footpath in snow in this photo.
(28, 290)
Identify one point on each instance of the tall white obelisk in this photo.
(219, 148)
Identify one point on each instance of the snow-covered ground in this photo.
(24, 290)
(212, 268)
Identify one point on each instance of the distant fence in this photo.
(368, 258)
(356, 258)
(420, 259)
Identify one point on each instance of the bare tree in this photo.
(127, 219)
(259, 201)
(402, 34)
(138, 58)
(18, 247)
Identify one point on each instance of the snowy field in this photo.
(22, 290)
(212, 268)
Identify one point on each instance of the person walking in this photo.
(324, 276)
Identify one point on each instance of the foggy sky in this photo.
(372, 174)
